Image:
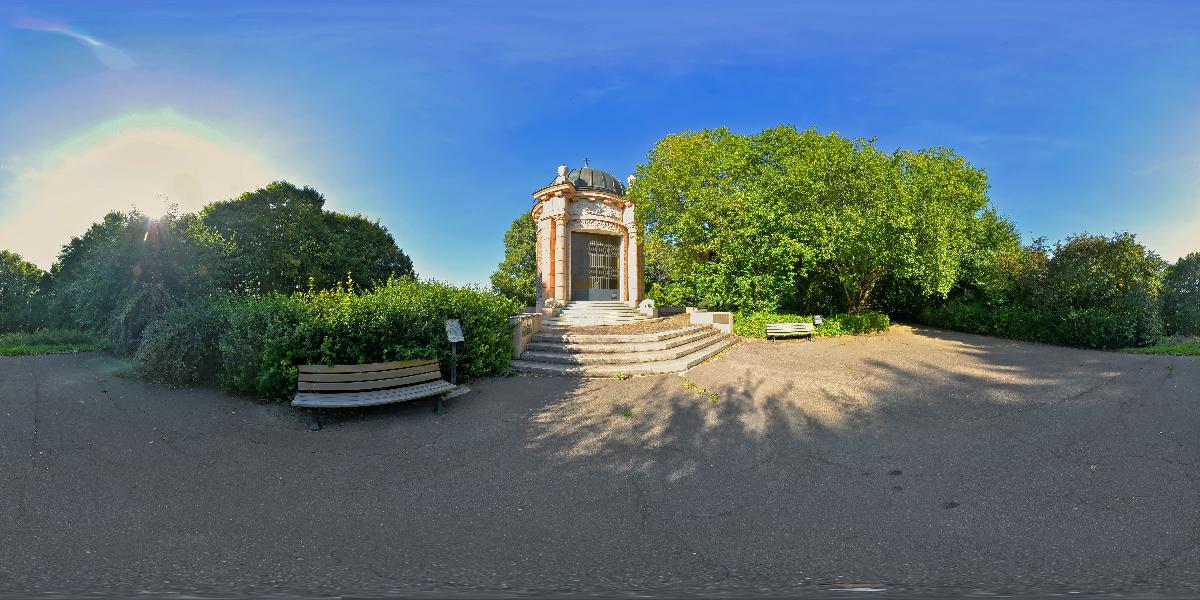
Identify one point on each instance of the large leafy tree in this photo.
(1115, 274)
(19, 282)
(126, 270)
(1181, 296)
(715, 234)
(282, 240)
(1096, 271)
(355, 246)
(750, 222)
(516, 275)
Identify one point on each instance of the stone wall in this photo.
(524, 328)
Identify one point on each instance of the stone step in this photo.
(566, 337)
(596, 309)
(582, 321)
(603, 321)
(599, 313)
(569, 348)
(644, 368)
(594, 317)
(628, 357)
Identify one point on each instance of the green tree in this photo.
(1114, 274)
(1181, 296)
(753, 222)
(516, 275)
(352, 245)
(996, 260)
(714, 237)
(126, 270)
(281, 240)
(19, 283)
(1095, 271)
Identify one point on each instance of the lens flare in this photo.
(109, 55)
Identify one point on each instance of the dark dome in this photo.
(588, 178)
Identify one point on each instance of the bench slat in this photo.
(346, 400)
(308, 386)
(790, 329)
(369, 376)
(367, 368)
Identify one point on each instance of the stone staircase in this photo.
(594, 312)
(560, 352)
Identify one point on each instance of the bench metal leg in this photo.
(314, 420)
(439, 404)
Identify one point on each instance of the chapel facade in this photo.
(587, 242)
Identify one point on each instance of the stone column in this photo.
(623, 293)
(561, 262)
(567, 256)
(633, 257)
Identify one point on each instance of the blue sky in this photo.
(441, 118)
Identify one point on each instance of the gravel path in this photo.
(919, 461)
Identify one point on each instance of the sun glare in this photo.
(153, 166)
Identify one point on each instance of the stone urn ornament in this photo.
(648, 308)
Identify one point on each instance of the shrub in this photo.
(1084, 327)
(254, 344)
(755, 324)
(182, 347)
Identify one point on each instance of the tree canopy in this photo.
(516, 275)
(128, 269)
(1181, 296)
(280, 239)
(755, 222)
(19, 283)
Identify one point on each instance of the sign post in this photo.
(455, 335)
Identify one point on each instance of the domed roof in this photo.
(587, 178)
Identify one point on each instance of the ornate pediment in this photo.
(597, 225)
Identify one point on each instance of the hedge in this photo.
(755, 324)
(1084, 327)
(254, 343)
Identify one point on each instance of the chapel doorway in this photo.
(595, 266)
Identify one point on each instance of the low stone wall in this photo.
(524, 328)
(720, 320)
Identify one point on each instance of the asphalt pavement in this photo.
(915, 462)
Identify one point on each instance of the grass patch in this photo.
(49, 341)
(1178, 346)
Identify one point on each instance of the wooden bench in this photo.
(778, 330)
(346, 386)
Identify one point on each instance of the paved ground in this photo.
(916, 460)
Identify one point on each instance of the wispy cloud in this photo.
(1189, 162)
(108, 55)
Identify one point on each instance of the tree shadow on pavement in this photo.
(919, 457)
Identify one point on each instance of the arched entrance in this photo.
(595, 266)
